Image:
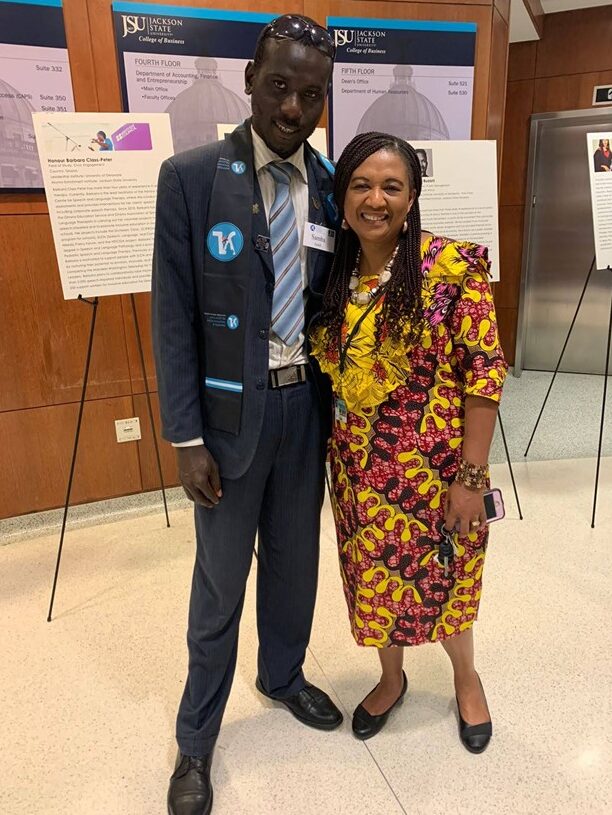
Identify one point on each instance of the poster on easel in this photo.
(599, 153)
(188, 62)
(459, 192)
(34, 76)
(411, 78)
(100, 172)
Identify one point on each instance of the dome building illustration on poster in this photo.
(196, 111)
(187, 62)
(412, 78)
(404, 112)
(19, 165)
(34, 76)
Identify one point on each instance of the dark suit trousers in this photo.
(280, 498)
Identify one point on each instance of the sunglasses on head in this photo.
(296, 28)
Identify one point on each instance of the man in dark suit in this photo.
(243, 248)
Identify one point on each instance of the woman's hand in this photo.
(463, 508)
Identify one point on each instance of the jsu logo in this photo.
(238, 167)
(343, 36)
(225, 242)
(133, 24)
(232, 322)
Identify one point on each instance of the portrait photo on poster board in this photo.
(425, 155)
(602, 154)
(189, 63)
(34, 76)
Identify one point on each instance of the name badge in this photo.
(340, 411)
(319, 237)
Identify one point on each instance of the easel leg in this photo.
(603, 414)
(569, 333)
(93, 303)
(503, 435)
(146, 384)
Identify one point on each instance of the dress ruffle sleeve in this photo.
(473, 323)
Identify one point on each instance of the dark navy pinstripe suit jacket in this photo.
(179, 297)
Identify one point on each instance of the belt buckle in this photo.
(288, 376)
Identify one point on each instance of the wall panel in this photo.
(522, 60)
(37, 447)
(570, 92)
(519, 106)
(497, 81)
(43, 356)
(510, 249)
(506, 321)
(146, 448)
(575, 42)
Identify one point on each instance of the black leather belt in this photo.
(293, 375)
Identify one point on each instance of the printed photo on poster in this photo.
(600, 163)
(413, 79)
(99, 137)
(602, 155)
(425, 155)
(188, 63)
(34, 76)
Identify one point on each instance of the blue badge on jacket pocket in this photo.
(238, 167)
(225, 241)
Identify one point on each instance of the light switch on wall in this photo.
(128, 429)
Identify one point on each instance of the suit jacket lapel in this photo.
(320, 185)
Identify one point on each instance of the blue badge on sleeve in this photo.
(238, 167)
(225, 241)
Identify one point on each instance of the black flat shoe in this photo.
(190, 791)
(366, 725)
(474, 737)
(311, 706)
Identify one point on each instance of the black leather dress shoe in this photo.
(311, 706)
(366, 725)
(474, 737)
(190, 791)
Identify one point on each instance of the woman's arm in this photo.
(463, 505)
(480, 418)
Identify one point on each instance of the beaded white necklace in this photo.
(365, 297)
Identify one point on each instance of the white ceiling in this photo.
(551, 6)
(521, 27)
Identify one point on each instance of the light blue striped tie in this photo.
(288, 300)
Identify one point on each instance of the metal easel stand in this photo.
(516, 495)
(605, 386)
(94, 304)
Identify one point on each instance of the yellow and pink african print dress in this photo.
(394, 456)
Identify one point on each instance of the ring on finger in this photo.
(474, 524)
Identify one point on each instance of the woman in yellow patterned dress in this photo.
(408, 337)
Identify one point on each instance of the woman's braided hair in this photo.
(401, 315)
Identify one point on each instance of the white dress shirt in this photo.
(281, 355)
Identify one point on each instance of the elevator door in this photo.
(559, 249)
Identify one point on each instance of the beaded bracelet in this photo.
(472, 476)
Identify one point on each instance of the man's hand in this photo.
(199, 475)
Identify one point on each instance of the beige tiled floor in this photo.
(88, 701)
